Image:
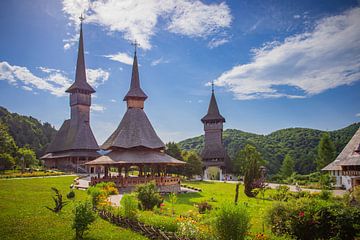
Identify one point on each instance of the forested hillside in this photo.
(28, 131)
(301, 143)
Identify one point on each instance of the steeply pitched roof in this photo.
(212, 151)
(213, 113)
(73, 136)
(80, 77)
(135, 90)
(136, 157)
(135, 130)
(349, 155)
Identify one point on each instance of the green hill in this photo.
(28, 131)
(301, 143)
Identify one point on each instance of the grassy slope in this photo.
(223, 192)
(23, 215)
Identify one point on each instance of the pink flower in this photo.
(301, 214)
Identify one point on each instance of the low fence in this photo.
(148, 231)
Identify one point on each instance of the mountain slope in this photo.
(28, 131)
(301, 143)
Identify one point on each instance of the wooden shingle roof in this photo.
(133, 156)
(349, 156)
(213, 113)
(73, 135)
(135, 130)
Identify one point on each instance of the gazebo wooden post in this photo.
(140, 170)
(159, 170)
(126, 171)
(119, 170)
(106, 171)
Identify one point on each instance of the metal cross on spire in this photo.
(82, 18)
(135, 44)
(212, 86)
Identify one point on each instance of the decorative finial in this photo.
(135, 44)
(82, 18)
(212, 86)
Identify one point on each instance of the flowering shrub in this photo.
(314, 219)
(187, 227)
(101, 192)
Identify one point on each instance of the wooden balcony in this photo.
(123, 182)
(351, 173)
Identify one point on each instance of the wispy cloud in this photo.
(97, 108)
(302, 65)
(55, 81)
(137, 19)
(159, 61)
(357, 115)
(215, 42)
(120, 57)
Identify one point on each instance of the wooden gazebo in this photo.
(135, 144)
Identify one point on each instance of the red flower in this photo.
(301, 214)
(162, 204)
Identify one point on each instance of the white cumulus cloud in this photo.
(55, 81)
(138, 19)
(302, 65)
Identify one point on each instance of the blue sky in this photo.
(276, 64)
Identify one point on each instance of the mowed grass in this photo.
(217, 193)
(23, 214)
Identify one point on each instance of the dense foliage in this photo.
(325, 151)
(28, 131)
(148, 196)
(310, 218)
(232, 222)
(251, 161)
(301, 143)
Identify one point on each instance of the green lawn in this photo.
(224, 192)
(23, 214)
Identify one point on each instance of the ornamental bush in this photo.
(314, 219)
(203, 207)
(83, 217)
(232, 222)
(129, 206)
(148, 196)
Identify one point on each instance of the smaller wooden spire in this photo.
(135, 97)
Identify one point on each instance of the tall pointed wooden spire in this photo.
(80, 76)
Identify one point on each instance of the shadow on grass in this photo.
(188, 198)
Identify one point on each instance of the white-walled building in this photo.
(346, 167)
